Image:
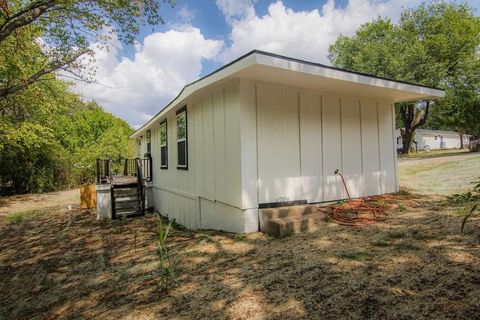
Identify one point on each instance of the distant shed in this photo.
(435, 139)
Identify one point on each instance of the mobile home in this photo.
(435, 139)
(267, 130)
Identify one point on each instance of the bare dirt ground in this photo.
(415, 265)
(63, 264)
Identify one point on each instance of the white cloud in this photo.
(135, 89)
(236, 9)
(302, 34)
(186, 14)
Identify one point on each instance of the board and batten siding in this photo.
(293, 140)
(207, 195)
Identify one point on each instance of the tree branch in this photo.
(36, 76)
(423, 118)
(25, 17)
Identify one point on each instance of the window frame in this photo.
(163, 123)
(149, 141)
(180, 111)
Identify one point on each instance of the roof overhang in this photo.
(267, 67)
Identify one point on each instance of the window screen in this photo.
(182, 139)
(163, 145)
(149, 142)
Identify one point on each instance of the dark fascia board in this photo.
(274, 55)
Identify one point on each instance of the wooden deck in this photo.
(123, 180)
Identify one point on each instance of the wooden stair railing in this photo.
(140, 183)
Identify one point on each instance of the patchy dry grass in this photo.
(441, 176)
(40, 201)
(433, 154)
(414, 265)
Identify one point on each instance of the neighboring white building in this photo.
(267, 130)
(435, 139)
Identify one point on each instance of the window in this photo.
(149, 142)
(182, 139)
(139, 148)
(163, 145)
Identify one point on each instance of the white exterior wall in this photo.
(293, 140)
(208, 195)
(251, 143)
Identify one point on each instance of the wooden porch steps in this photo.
(126, 200)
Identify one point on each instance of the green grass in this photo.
(24, 215)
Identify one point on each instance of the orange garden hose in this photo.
(359, 212)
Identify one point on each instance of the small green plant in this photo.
(24, 215)
(468, 215)
(461, 198)
(381, 243)
(168, 278)
(354, 255)
(474, 208)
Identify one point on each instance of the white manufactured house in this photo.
(267, 131)
(435, 139)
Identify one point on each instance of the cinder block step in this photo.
(266, 215)
(280, 227)
(290, 212)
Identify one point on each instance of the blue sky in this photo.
(135, 82)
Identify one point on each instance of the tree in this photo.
(50, 138)
(460, 110)
(66, 29)
(433, 45)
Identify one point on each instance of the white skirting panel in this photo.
(176, 206)
(201, 213)
(220, 216)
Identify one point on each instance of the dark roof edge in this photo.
(274, 55)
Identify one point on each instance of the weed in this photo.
(22, 216)
(239, 237)
(396, 235)
(168, 278)
(402, 207)
(462, 198)
(406, 246)
(354, 255)
(417, 235)
(468, 215)
(381, 243)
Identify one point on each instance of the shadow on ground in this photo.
(414, 265)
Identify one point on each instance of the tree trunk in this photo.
(407, 138)
(412, 119)
(461, 140)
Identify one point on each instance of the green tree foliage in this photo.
(50, 138)
(434, 45)
(66, 29)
